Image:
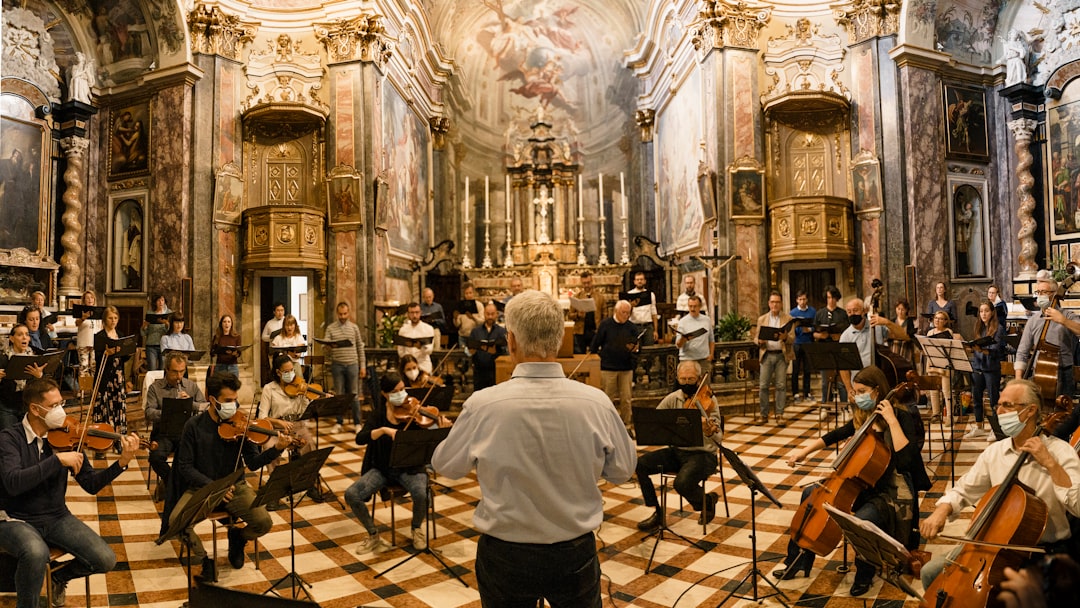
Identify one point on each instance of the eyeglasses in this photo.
(1044, 292)
(1008, 405)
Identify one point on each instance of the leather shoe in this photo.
(709, 510)
(315, 494)
(650, 524)
(860, 587)
(236, 548)
(209, 570)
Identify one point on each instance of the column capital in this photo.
(215, 32)
(1023, 128)
(866, 19)
(734, 24)
(361, 39)
(74, 146)
(645, 119)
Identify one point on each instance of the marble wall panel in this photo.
(344, 124)
(227, 115)
(862, 67)
(345, 267)
(920, 91)
(225, 261)
(95, 224)
(750, 244)
(744, 93)
(170, 166)
(871, 248)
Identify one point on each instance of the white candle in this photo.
(580, 198)
(466, 199)
(508, 197)
(487, 212)
(622, 191)
(601, 195)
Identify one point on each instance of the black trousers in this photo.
(518, 575)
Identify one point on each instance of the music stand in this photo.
(287, 479)
(673, 428)
(201, 504)
(875, 547)
(174, 415)
(414, 449)
(748, 477)
(326, 407)
(950, 356)
(834, 357)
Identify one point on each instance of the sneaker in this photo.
(419, 541)
(974, 433)
(59, 593)
(335, 429)
(372, 544)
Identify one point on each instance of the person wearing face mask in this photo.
(484, 358)
(284, 412)
(33, 506)
(11, 399)
(203, 456)
(393, 413)
(862, 334)
(892, 503)
(415, 377)
(691, 465)
(1051, 472)
(1062, 332)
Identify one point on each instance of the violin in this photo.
(299, 387)
(1009, 516)
(859, 466)
(425, 416)
(258, 431)
(98, 436)
(706, 404)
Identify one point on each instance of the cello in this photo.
(1010, 515)
(1046, 358)
(862, 462)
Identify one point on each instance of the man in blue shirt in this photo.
(803, 335)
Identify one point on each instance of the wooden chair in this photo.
(665, 477)
(226, 521)
(392, 492)
(55, 553)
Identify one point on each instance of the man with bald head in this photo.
(430, 309)
(490, 334)
(617, 341)
(861, 333)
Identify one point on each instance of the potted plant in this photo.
(733, 327)
(388, 328)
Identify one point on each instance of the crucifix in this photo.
(542, 203)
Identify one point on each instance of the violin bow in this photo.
(243, 437)
(89, 414)
(432, 374)
(580, 363)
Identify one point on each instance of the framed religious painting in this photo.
(24, 192)
(969, 228)
(129, 140)
(966, 135)
(1063, 120)
(746, 189)
(707, 190)
(866, 182)
(228, 195)
(382, 203)
(127, 252)
(344, 197)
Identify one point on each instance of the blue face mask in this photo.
(1010, 423)
(865, 401)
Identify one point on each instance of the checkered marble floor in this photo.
(683, 575)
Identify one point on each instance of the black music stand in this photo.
(287, 479)
(414, 449)
(833, 357)
(875, 547)
(748, 477)
(950, 356)
(672, 428)
(326, 407)
(201, 504)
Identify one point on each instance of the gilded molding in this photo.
(214, 32)
(866, 19)
(361, 39)
(729, 24)
(440, 126)
(646, 120)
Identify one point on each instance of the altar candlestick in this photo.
(622, 191)
(487, 214)
(580, 198)
(508, 199)
(466, 199)
(601, 193)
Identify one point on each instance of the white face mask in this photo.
(227, 409)
(1010, 423)
(397, 398)
(55, 417)
(288, 377)
(412, 374)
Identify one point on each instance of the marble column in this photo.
(71, 262)
(1022, 130)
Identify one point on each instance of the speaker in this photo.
(205, 595)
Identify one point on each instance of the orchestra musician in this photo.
(863, 335)
(283, 410)
(415, 377)
(616, 341)
(414, 328)
(585, 322)
(11, 397)
(393, 412)
(692, 465)
(33, 509)
(1052, 472)
(774, 356)
(892, 503)
(203, 456)
(1062, 332)
(483, 360)
(173, 386)
(835, 319)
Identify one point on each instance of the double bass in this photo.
(895, 367)
(1009, 517)
(862, 462)
(1046, 357)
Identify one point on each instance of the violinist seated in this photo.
(1052, 472)
(204, 456)
(1062, 332)
(283, 410)
(33, 509)
(173, 386)
(690, 465)
(892, 502)
(11, 399)
(395, 411)
(414, 377)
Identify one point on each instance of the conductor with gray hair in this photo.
(540, 444)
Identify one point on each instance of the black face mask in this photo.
(687, 389)
(855, 319)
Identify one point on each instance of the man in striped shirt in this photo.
(347, 363)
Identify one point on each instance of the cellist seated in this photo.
(891, 503)
(691, 465)
(1052, 472)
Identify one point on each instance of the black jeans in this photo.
(690, 467)
(801, 364)
(518, 575)
(483, 376)
(159, 458)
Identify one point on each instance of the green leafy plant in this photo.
(1057, 267)
(388, 328)
(732, 327)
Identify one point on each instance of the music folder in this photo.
(490, 346)
(96, 312)
(434, 317)
(701, 331)
(192, 355)
(400, 340)
(982, 342)
(153, 317)
(17, 364)
(640, 298)
(277, 350)
(50, 319)
(466, 307)
(334, 343)
(126, 344)
(583, 304)
(500, 305)
(221, 349)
